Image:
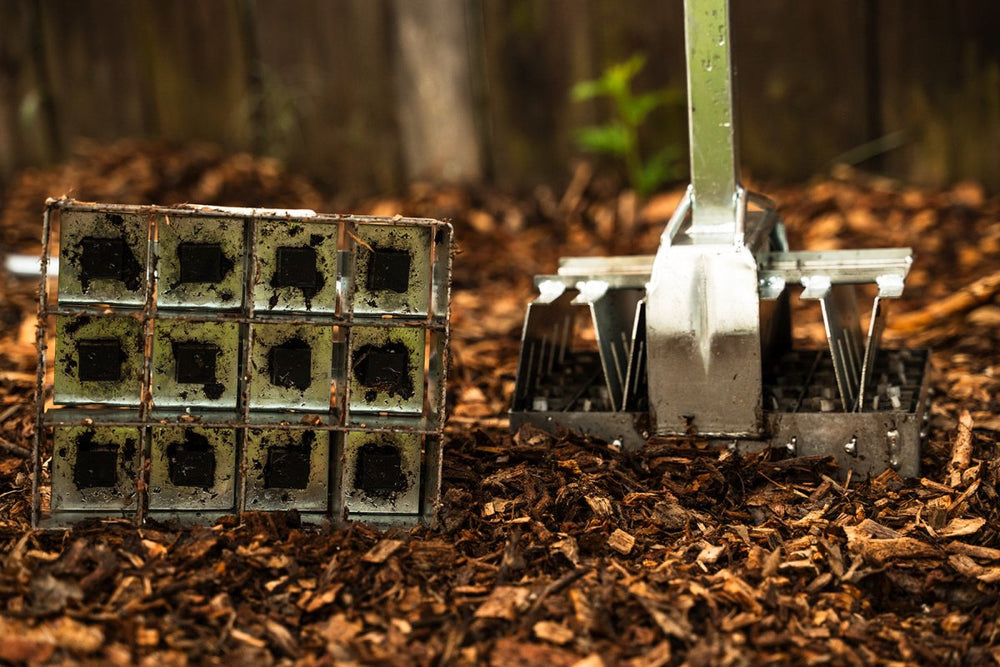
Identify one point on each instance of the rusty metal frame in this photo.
(338, 419)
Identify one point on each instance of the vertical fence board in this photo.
(528, 71)
(941, 85)
(92, 63)
(15, 82)
(327, 81)
(802, 84)
(193, 58)
(434, 103)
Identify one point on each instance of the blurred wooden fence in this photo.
(908, 86)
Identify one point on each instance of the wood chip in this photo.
(567, 546)
(246, 638)
(621, 541)
(339, 630)
(147, 637)
(658, 656)
(504, 602)
(601, 505)
(282, 638)
(974, 550)
(382, 550)
(311, 602)
(880, 551)
(553, 632)
(960, 526)
(961, 451)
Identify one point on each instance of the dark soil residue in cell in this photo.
(288, 465)
(107, 259)
(191, 461)
(379, 472)
(384, 369)
(290, 364)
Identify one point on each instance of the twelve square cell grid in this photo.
(299, 360)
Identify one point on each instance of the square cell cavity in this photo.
(102, 257)
(392, 269)
(192, 468)
(98, 359)
(387, 369)
(195, 364)
(200, 263)
(292, 365)
(94, 468)
(296, 266)
(381, 473)
(288, 468)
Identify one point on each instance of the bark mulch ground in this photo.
(559, 551)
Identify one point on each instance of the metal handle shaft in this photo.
(711, 125)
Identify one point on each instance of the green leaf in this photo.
(640, 107)
(659, 169)
(624, 72)
(619, 137)
(612, 139)
(618, 78)
(586, 90)
(614, 81)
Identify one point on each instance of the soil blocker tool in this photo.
(696, 340)
(210, 361)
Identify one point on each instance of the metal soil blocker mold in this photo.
(210, 361)
(696, 340)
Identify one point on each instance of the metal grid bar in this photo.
(876, 325)
(41, 340)
(145, 406)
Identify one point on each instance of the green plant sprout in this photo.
(619, 137)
